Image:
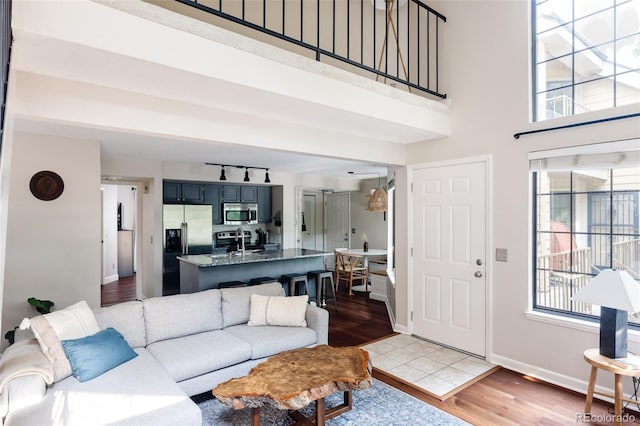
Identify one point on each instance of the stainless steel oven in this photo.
(239, 213)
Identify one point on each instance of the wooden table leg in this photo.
(617, 408)
(348, 399)
(255, 416)
(590, 389)
(320, 412)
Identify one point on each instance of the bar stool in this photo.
(261, 280)
(324, 278)
(231, 284)
(293, 280)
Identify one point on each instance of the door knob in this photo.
(478, 274)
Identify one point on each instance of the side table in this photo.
(629, 366)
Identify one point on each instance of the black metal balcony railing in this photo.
(394, 39)
(5, 51)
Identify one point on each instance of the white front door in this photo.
(336, 215)
(449, 255)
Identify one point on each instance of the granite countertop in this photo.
(207, 260)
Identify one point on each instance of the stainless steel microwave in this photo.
(239, 213)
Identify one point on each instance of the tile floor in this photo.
(435, 369)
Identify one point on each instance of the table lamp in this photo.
(617, 293)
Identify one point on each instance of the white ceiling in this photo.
(348, 124)
(114, 146)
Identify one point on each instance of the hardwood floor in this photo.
(502, 398)
(358, 320)
(122, 290)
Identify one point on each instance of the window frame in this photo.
(569, 317)
(617, 68)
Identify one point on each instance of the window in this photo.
(586, 219)
(586, 56)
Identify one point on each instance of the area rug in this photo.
(436, 370)
(381, 404)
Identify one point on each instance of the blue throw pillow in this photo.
(96, 354)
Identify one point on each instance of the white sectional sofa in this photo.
(186, 345)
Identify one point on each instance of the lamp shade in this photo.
(377, 201)
(611, 289)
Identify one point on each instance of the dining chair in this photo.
(351, 268)
(335, 264)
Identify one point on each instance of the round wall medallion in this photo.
(46, 185)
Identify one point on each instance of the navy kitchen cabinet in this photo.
(239, 194)
(264, 204)
(176, 192)
(212, 196)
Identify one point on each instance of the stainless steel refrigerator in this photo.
(187, 229)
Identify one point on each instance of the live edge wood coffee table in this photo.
(293, 379)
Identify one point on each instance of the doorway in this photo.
(121, 277)
(337, 213)
(449, 219)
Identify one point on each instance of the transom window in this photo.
(586, 219)
(586, 56)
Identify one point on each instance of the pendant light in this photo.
(378, 200)
(266, 177)
(222, 176)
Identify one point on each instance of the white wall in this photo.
(109, 233)
(487, 52)
(53, 247)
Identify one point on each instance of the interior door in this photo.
(337, 222)
(448, 206)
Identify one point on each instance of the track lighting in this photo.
(246, 171)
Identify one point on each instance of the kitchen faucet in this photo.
(240, 234)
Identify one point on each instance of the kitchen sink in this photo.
(239, 252)
(219, 256)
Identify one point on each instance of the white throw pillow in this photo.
(278, 310)
(73, 322)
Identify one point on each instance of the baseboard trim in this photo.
(376, 296)
(110, 279)
(564, 381)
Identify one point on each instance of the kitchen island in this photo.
(205, 271)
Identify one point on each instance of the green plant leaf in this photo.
(42, 306)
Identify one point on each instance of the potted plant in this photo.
(42, 306)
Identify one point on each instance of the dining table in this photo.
(366, 254)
